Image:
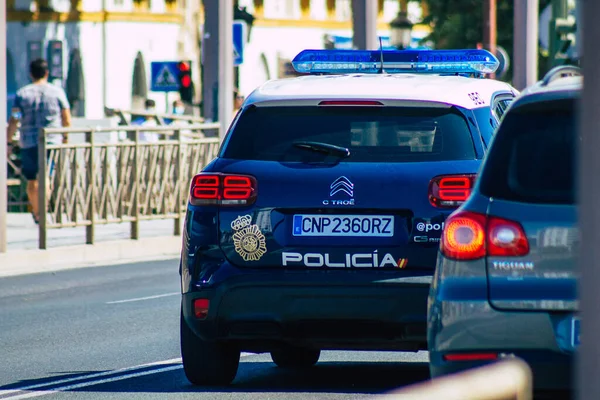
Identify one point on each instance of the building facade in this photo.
(283, 28)
(108, 45)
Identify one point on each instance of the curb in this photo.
(23, 262)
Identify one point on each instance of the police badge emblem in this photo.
(248, 240)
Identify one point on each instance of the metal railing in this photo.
(103, 180)
(125, 116)
(128, 117)
(509, 379)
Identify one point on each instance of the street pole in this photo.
(225, 64)
(210, 60)
(489, 28)
(588, 356)
(579, 22)
(3, 119)
(364, 24)
(525, 47)
(104, 59)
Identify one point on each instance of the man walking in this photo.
(37, 105)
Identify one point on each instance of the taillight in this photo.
(470, 357)
(506, 238)
(350, 103)
(450, 190)
(222, 189)
(464, 236)
(469, 236)
(201, 308)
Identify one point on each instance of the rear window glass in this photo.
(533, 156)
(372, 134)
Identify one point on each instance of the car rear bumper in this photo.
(552, 371)
(539, 338)
(260, 311)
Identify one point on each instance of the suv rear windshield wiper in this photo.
(326, 148)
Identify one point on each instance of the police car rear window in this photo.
(372, 134)
(533, 156)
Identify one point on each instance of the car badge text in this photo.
(343, 186)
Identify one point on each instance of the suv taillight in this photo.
(469, 236)
(223, 189)
(450, 190)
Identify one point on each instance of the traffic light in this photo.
(186, 86)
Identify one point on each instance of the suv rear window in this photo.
(372, 134)
(532, 158)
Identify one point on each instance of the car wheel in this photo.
(295, 357)
(207, 363)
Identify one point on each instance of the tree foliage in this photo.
(459, 24)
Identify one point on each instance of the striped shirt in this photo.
(40, 106)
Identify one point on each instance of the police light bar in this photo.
(401, 61)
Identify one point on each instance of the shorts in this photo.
(30, 165)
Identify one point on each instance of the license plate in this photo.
(575, 332)
(344, 225)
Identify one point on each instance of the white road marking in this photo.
(158, 296)
(91, 376)
(165, 367)
(92, 383)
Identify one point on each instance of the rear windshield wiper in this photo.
(326, 148)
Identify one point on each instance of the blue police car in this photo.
(318, 224)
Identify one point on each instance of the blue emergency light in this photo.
(402, 61)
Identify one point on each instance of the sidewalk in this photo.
(67, 248)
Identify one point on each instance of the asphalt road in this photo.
(113, 333)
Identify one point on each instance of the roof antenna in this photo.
(381, 71)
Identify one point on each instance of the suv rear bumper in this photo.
(552, 371)
(541, 339)
(263, 311)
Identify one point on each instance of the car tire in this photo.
(295, 357)
(207, 363)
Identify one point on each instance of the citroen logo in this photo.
(342, 184)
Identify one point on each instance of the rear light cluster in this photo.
(470, 357)
(450, 190)
(350, 103)
(201, 307)
(469, 236)
(222, 189)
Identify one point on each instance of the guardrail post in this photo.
(135, 224)
(105, 167)
(42, 190)
(74, 178)
(91, 184)
(59, 156)
(122, 162)
(179, 183)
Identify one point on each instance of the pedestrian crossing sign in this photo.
(240, 34)
(164, 76)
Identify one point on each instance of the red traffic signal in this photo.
(186, 91)
(183, 66)
(186, 81)
(185, 74)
